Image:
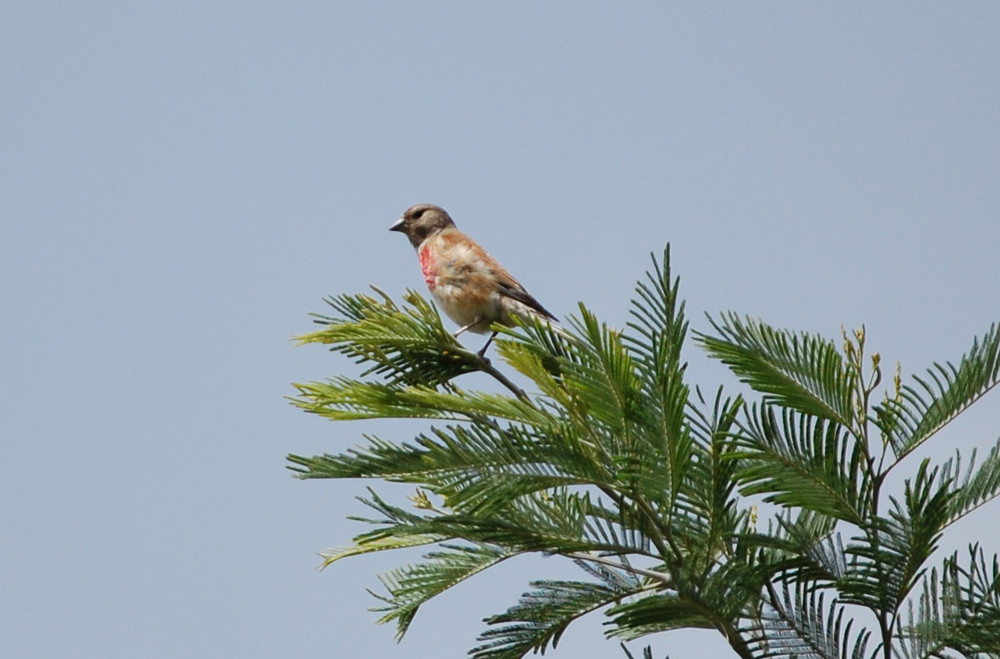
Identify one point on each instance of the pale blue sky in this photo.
(182, 182)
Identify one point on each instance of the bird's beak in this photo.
(398, 226)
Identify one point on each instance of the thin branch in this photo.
(659, 536)
(486, 366)
(652, 574)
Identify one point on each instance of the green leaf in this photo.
(344, 399)
(919, 410)
(378, 544)
(407, 345)
(657, 334)
(803, 548)
(542, 615)
(798, 622)
(979, 486)
(604, 378)
(411, 586)
(658, 612)
(889, 557)
(801, 371)
(708, 494)
(958, 609)
(712, 600)
(803, 461)
(476, 467)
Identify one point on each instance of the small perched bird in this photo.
(466, 282)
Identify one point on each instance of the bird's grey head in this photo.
(421, 221)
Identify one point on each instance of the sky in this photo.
(181, 183)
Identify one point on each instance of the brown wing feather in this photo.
(518, 293)
(513, 289)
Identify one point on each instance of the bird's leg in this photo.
(475, 322)
(482, 352)
(462, 329)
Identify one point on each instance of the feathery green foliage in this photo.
(918, 411)
(608, 458)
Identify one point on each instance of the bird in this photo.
(468, 284)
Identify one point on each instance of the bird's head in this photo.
(421, 221)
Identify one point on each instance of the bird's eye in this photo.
(417, 213)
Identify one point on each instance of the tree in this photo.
(615, 463)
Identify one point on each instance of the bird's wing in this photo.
(512, 289)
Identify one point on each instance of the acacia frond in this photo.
(657, 335)
(384, 543)
(804, 461)
(603, 377)
(708, 497)
(800, 546)
(542, 615)
(344, 399)
(654, 339)
(600, 387)
(476, 467)
(919, 410)
(958, 609)
(658, 612)
(978, 487)
(802, 371)
(715, 599)
(411, 586)
(407, 345)
(798, 622)
(887, 560)
(561, 522)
